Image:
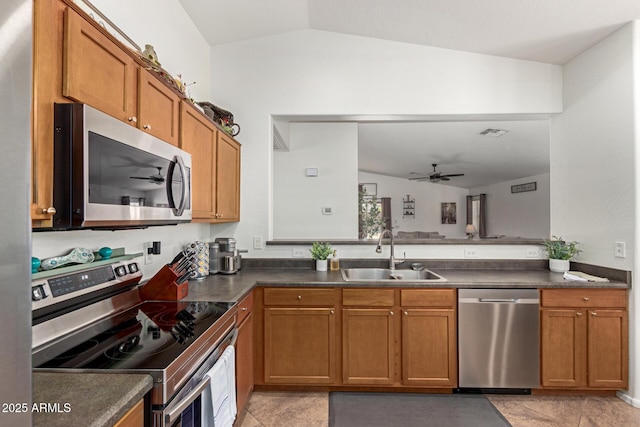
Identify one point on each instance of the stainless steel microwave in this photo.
(110, 175)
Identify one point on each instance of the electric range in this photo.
(94, 321)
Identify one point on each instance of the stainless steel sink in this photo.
(385, 274)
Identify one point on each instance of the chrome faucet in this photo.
(392, 260)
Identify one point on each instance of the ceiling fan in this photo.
(434, 176)
(155, 179)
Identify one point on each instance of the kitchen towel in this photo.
(219, 400)
(579, 276)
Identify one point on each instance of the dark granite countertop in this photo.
(233, 287)
(85, 399)
(112, 395)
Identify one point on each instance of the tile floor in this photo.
(311, 409)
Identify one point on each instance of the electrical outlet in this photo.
(147, 247)
(257, 242)
(470, 253)
(532, 253)
(620, 250)
(299, 253)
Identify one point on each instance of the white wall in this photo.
(316, 72)
(524, 214)
(181, 49)
(594, 163)
(298, 200)
(164, 24)
(428, 199)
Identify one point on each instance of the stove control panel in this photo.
(55, 289)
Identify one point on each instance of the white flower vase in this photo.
(321, 265)
(559, 265)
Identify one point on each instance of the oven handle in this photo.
(172, 415)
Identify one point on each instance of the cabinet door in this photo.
(158, 108)
(198, 138)
(48, 35)
(244, 362)
(607, 348)
(97, 71)
(429, 347)
(299, 345)
(563, 347)
(133, 418)
(368, 346)
(228, 179)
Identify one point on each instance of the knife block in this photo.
(163, 287)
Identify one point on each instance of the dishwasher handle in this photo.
(499, 300)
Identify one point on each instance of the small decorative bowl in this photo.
(105, 253)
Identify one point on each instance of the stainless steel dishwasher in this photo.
(498, 339)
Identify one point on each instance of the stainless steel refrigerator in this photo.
(15, 226)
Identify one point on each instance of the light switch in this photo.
(311, 172)
(620, 250)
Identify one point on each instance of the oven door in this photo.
(186, 408)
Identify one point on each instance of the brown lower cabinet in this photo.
(244, 352)
(134, 417)
(584, 338)
(356, 337)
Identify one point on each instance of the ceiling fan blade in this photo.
(452, 174)
(444, 178)
(418, 178)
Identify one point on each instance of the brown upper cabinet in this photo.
(76, 60)
(98, 72)
(215, 170)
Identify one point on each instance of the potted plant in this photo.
(320, 252)
(560, 252)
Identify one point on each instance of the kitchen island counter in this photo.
(85, 399)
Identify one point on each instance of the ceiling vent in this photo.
(493, 132)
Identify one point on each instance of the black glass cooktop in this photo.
(148, 336)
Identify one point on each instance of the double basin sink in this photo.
(385, 274)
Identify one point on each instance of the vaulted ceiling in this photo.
(550, 31)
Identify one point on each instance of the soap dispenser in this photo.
(334, 263)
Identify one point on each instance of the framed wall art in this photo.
(448, 213)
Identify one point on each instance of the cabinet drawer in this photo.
(428, 298)
(304, 297)
(368, 297)
(584, 298)
(245, 307)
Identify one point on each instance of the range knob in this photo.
(121, 270)
(38, 293)
(133, 268)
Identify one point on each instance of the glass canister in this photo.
(214, 258)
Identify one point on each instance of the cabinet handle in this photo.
(406, 313)
(578, 314)
(51, 210)
(391, 313)
(133, 119)
(332, 312)
(148, 127)
(299, 297)
(593, 313)
(586, 299)
(244, 308)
